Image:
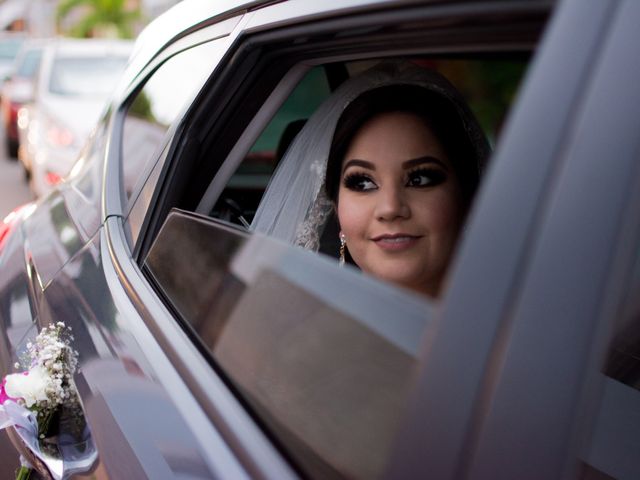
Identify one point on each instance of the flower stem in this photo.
(44, 422)
(23, 473)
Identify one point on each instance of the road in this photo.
(14, 190)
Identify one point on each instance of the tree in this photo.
(99, 16)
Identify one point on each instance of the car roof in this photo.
(186, 14)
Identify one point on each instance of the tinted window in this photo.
(162, 99)
(244, 189)
(328, 374)
(324, 356)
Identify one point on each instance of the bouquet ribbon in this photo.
(26, 426)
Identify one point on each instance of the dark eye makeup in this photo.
(425, 177)
(358, 182)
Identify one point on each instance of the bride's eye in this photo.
(359, 182)
(425, 177)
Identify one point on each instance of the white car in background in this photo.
(10, 43)
(17, 90)
(75, 79)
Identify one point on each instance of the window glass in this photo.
(244, 190)
(486, 87)
(28, 67)
(161, 101)
(139, 208)
(9, 48)
(86, 76)
(326, 373)
(323, 355)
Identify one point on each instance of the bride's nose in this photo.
(391, 204)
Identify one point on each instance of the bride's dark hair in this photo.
(436, 111)
(298, 205)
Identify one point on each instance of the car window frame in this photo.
(113, 197)
(277, 49)
(155, 163)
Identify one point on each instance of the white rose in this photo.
(31, 387)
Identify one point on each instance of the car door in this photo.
(142, 426)
(194, 271)
(539, 283)
(509, 313)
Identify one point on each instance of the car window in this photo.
(241, 196)
(326, 374)
(153, 109)
(75, 76)
(488, 86)
(9, 48)
(29, 63)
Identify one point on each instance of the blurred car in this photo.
(17, 91)
(74, 81)
(208, 350)
(10, 43)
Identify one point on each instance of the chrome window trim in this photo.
(237, 445)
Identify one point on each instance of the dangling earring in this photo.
(343, 244)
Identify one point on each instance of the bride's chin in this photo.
(414, 281)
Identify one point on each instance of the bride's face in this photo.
(400, 204)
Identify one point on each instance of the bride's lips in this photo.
(396, 241)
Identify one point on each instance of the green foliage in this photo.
(488, 86)
(97, 16)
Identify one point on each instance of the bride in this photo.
(394, 157)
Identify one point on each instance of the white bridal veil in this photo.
(295, 207)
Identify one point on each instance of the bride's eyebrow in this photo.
(422, 160)
(355, 162)
(414, 162)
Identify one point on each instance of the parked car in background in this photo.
(10, 44)
(210, 350)
(17, 91)
(74, 81)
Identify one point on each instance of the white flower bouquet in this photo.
(37, 401)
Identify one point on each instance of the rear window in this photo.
(86, 76)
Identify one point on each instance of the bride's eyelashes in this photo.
(425, 177)
(419, 178)
(358, 182)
